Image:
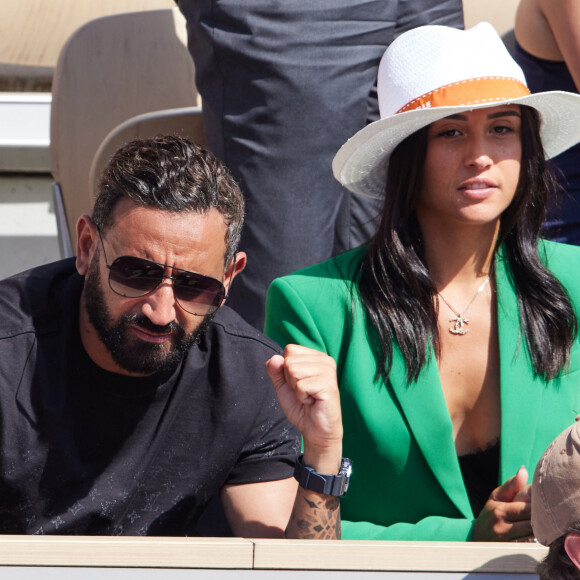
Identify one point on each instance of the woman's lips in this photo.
(478, 188)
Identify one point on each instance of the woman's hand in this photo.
(507, 514)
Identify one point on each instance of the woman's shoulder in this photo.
(339, 270)
(557, 255)
(314, 305)
(563, 260)
(322, 290)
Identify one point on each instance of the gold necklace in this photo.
(459, 320)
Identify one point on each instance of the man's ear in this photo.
(86, 243)
(235, 267)
(572, 546)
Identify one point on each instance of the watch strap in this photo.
(335, 485)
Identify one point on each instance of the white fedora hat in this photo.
(432, 72)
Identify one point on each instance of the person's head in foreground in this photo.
(460, 150)
(158, 254)
(556, 506)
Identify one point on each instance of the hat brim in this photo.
(361, 163)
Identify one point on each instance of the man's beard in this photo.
(132, 354)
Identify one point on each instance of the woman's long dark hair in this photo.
(397, 290)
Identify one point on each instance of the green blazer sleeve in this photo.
(406, 483)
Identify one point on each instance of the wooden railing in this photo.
(118, 557)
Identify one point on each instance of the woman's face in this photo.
(472, 167)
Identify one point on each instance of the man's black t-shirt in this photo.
(85, 451)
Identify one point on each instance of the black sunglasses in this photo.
(133, 277)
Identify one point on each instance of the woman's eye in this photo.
(502, 129)
(449, 133)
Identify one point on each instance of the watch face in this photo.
(344, 474)
(346, 467)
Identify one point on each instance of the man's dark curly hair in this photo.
(557, 564)
(174, 174)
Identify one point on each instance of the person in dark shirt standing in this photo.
(284, 85)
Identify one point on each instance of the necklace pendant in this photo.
(459, 326)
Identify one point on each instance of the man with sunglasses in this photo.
(131, 399)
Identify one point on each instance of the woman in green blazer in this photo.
(455, 330)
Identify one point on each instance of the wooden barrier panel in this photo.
(398, 556)
(126, 552)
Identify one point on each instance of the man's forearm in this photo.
(307, 390)
(314, 517)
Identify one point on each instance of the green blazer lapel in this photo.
(424, 407)
(520, 409)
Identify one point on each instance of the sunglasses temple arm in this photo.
(231, 277)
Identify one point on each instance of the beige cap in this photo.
(556, 487)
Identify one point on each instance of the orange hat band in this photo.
(470, 92)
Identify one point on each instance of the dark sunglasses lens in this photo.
(198, 294)
(134, 277)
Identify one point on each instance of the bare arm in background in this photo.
(550, 30)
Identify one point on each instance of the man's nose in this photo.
(160, 305)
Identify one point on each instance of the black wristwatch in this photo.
(335, 485)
